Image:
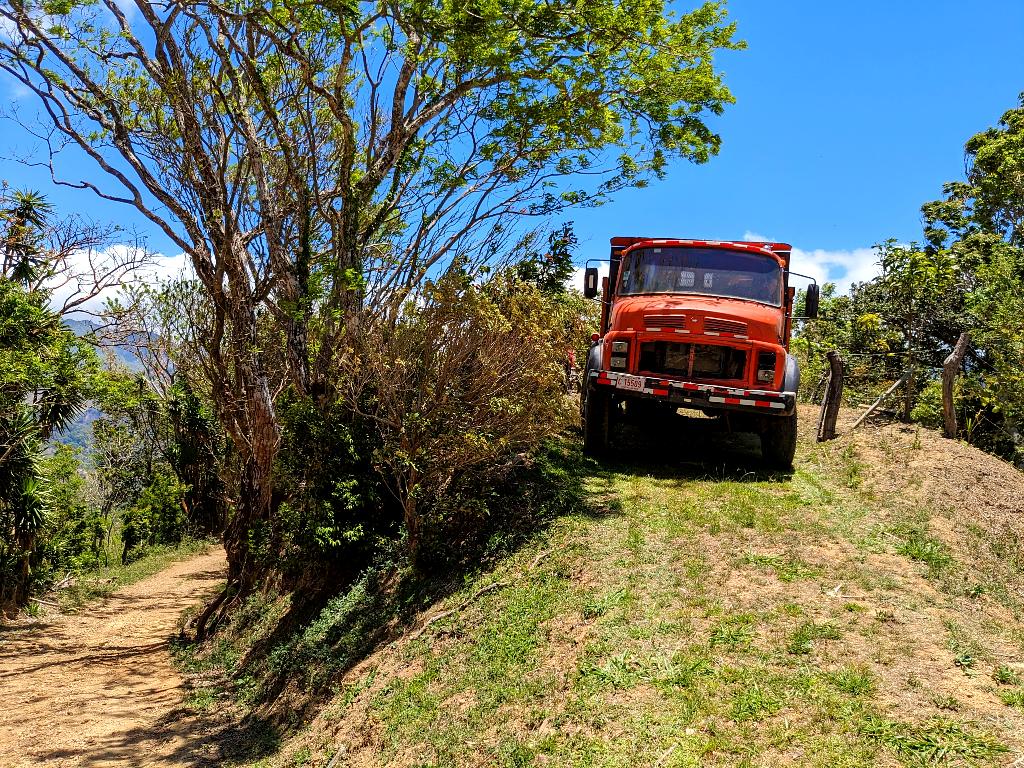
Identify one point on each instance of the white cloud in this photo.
(842, 267)
(83, 265)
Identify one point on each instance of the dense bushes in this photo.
(439, 409)
(334, 508)
(459, 387)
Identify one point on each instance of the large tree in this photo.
(318, 161)
(979, 223)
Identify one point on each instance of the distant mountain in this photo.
(78, 434)
(124, 354)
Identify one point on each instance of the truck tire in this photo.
(597, 410)
(778, 441)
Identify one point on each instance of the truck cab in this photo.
(701, 324)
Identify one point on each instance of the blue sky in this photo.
(848, 117)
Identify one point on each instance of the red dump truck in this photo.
(702, 324)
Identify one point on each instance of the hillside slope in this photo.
(865, 610)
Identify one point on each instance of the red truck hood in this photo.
(764, 323)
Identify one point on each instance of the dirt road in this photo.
(98, 689)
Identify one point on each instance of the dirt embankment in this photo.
(98, 688)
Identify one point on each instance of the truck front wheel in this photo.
(596, 422)
(778, 441)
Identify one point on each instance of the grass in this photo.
(706, 614)
(937, 741)
(802, 640)
(726, 698)
(103, 581)
(1005, 675)
(1014, 698)
(786, 569)
(927, 550)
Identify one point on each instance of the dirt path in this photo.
(97, 688)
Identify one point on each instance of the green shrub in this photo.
(928, 408)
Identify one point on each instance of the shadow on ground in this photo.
(196, 744)
(684, 447)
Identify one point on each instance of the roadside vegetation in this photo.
(138, 475)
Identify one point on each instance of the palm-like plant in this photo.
(23, 221)
(44, 372)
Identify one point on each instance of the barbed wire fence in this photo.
(859, 379)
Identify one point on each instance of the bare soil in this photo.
(98, 688)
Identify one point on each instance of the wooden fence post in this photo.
(874, 406)
(833, 396)
(950, 368)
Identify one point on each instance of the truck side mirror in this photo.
(811, 301)
(590, 282)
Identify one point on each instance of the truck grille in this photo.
(721, 325)
(693, 361)
(665, 321)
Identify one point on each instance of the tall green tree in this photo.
(979, 224)
(317, 162)
(550, 268)
(967, 276)
(45, 374)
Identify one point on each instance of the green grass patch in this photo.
(925, 549)
(599, 606)
(934, 742)
(1005, 675)
(801, 642)
(853, 681)
(734, 632)
(754, 702)
(201, 699)
(786, 569)
(1014, 698)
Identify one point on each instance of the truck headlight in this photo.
(620, 351)
(766, 362)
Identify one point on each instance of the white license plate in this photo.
(632, 383)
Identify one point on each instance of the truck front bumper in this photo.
(687, 394)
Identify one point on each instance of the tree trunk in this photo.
(908, 395)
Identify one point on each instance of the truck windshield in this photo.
(706, 271)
